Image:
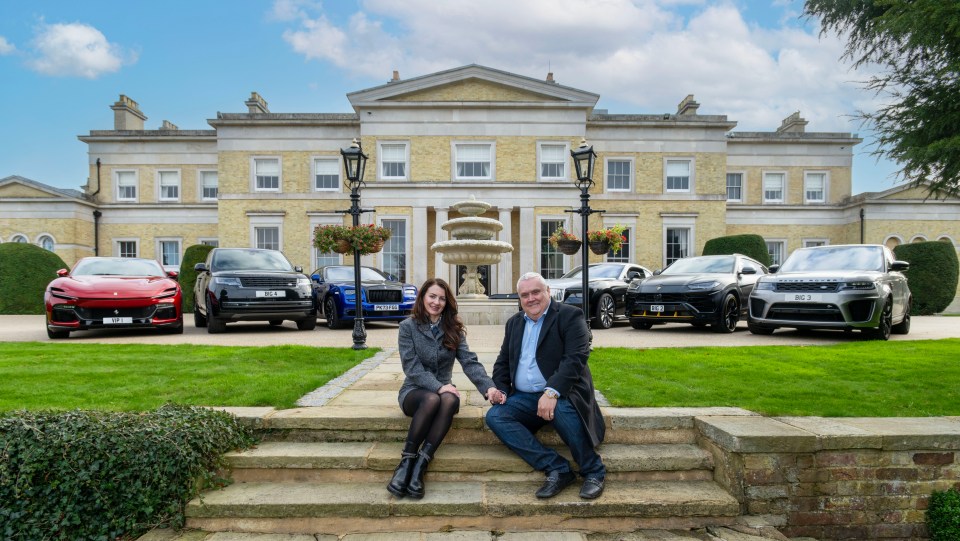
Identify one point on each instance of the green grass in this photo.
(864, 379)
(132, 377)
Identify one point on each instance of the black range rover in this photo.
(249, 284)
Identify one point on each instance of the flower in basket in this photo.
(561, 234)
(612, 235)
(326, 237)
(369, 238)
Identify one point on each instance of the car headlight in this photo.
(634, 285)
(348, 293)
(410, 292)
(303, 281)
(227, 281)
(863, 285)
(766, 286)
(704, 286)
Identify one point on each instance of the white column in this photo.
(505, 281)
(440, 269)
(418, 237)
(528, 240)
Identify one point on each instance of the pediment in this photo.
(24, 188)
(475, 90)
(906, 192)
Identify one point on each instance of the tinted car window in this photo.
(695, 265)
(239, 260)
(340, 274)
(865, 258)
(118, 267)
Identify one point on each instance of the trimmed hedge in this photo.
(749, 245)
(105, 475)
(25, 271)
(933, 274)
(943, 515)
(188, 277)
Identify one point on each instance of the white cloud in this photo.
(76, 50)
(641, 56)
(6, 47)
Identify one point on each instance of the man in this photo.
(542, 369)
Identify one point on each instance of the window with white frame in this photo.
(814, 187)
(209, 185)
(735, 187)
(773, 187)
(677, 243)
(553, 161)
(46, 242)
(810, 243)
(395, 249)
(473, 161)
(619, 175)
(126, 248)
(210, 242)
(169, 185)
(551, 259)
(267, 238)
(777, 250)
(169, 251)
(326, 174)
(18, 238)
(679, 174)
(623, 254)
(393, 161)
(126, 185)
(266, 172)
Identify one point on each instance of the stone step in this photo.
(372, 462)
(342, 508)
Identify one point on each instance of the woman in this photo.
(430, 339)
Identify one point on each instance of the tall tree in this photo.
(916, 45)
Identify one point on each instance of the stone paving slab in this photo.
(755, 434)
(906, 433)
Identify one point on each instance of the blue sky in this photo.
(63, 63)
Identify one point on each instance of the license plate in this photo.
(117, 320)
(802, 297)
(386, 307)
(656, 308)
(270, 294)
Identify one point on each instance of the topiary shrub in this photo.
(933, 275)
(749, 245)
(943, 515)
(25, 271)
(102, 475)
(188, 277)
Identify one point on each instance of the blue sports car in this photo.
(382, 298)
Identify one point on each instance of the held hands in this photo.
(495, 396)
(449, 388)
(545, 407)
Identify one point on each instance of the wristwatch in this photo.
(551, 393)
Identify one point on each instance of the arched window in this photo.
(18, 238)
(46, 242)
(918, 238)
(892, 242)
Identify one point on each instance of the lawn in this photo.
(133, 377)
(863, 379)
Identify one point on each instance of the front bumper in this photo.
(110, 314)
(379, 312)
(687, 307)
(835, 310)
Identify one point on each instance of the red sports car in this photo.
(112, 293)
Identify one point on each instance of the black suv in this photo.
(248, 284)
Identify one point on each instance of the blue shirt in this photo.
(529, 379)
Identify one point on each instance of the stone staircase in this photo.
(324, 470)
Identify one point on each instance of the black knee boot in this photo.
(415, 489)
(401, 475)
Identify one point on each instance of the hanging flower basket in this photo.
(599, 247)
(602, 241)
(363, 239)
(569, 246)
(341, 246)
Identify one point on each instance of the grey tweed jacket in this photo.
(429, 365)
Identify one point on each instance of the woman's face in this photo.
(434, 301)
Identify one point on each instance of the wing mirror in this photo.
(62, 272)
(316, 278)
(773, 268)
(173, 274)
(748, 270)
(298, 268)
(657, 272)
(201, 267)
(900, 266)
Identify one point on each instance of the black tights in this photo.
(432, 416)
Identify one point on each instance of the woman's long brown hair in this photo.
(450, 322)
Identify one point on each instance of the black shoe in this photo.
(401, 475)
(592, 488)
(555, 482)
(416, 488)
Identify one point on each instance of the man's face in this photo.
(534, 297)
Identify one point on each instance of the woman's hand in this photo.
(449, 388)
(495, 396)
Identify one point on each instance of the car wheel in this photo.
(307, 324)
(276, 322)
(640, 324)
(882, 332)
(215, 325)
(606, 309)
(904, 326)
(757, 329)
(729, 315)
(56, 335)
(199, 321)
(330, 312)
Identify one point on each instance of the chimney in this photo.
(688, 106)
(127, 115)
(256, 104)
(550, 77)
(170, 126)
(792, 124)
(396, 77)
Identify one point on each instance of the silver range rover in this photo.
(855, 286)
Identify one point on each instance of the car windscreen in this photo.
(345, 274)
(250, 260)
(118, 266)
(698, 265)
(598, 271)
(839, 258)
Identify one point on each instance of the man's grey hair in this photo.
(531, 276)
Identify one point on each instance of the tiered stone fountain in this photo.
(472, 245)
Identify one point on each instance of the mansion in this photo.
(263, 179)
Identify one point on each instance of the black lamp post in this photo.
(354, 162)
(583, 160)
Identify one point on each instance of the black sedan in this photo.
(248, 284)
(608, 287)
(706, 290)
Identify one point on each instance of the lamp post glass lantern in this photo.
(583, 160)
(354, 163)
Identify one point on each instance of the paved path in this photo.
(480, 337)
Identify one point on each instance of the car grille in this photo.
(660, 297)
(139, 312)
(819, 287)
(384, 295)
(268, 281)
(805, 312)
